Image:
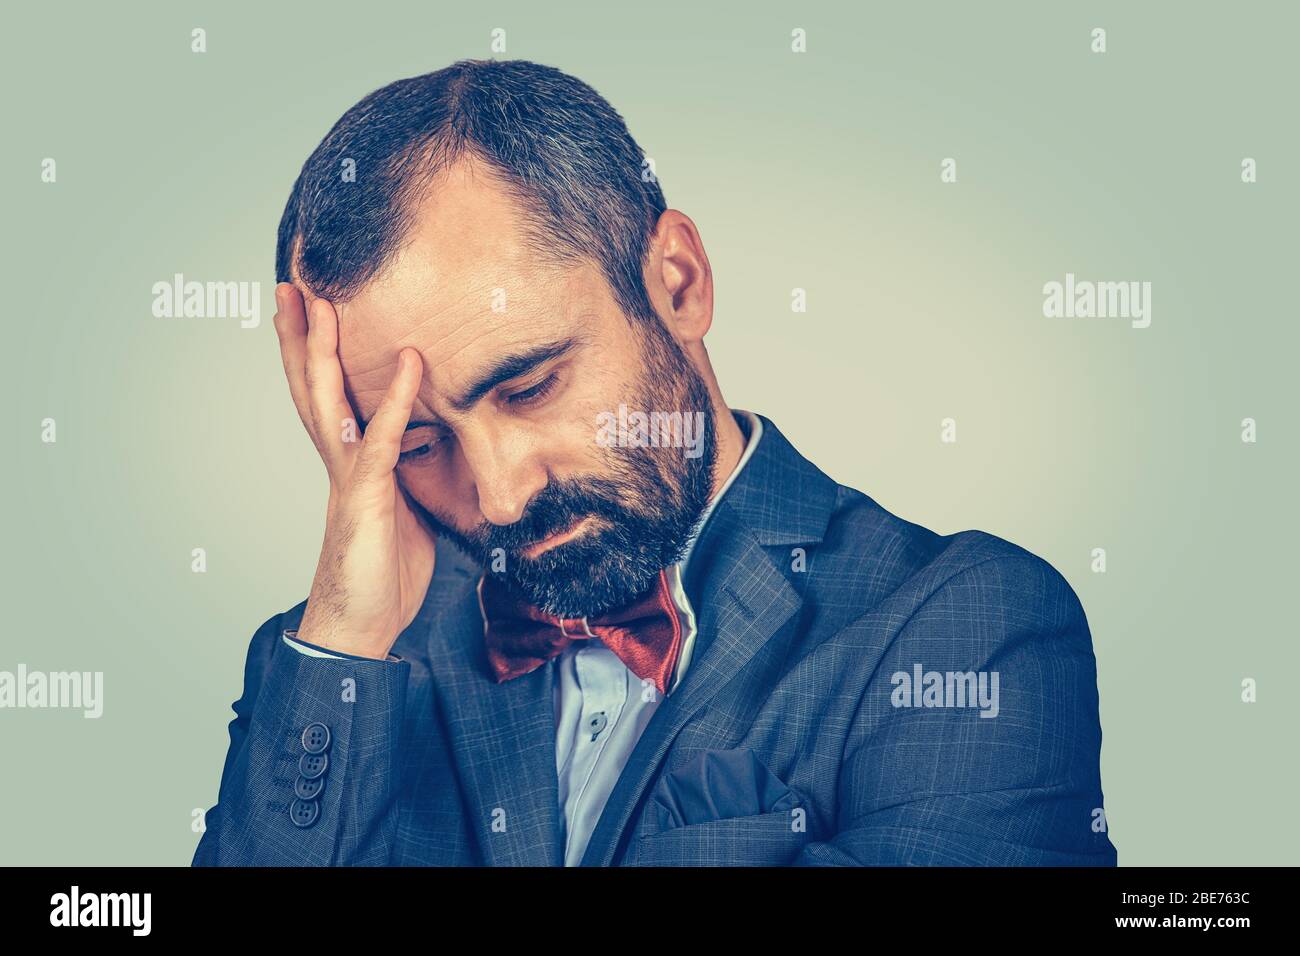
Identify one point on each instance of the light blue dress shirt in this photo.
(601, 707)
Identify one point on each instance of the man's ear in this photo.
(678, 278)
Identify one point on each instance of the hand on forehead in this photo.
(460, 335)
(464, 288)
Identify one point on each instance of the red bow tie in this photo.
(645, 634)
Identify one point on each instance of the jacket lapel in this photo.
(502, 737)
(743, 603)
(749, 604)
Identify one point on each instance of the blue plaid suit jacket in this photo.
(787, 742)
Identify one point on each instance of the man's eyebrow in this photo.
(512, 366)
(502, 370)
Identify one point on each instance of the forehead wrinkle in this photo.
(435, 361)
(403, 340)
(428, 386)
(431, 355)
(568, 288)
(480, 292)
(519, 324)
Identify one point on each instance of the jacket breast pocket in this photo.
(722, 808)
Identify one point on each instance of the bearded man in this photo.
(536, 639)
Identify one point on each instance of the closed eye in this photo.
(419, 452)
(535, 394)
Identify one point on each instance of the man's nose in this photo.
(507, 471)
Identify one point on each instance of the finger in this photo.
(383, 439)
(291, 327)
(324, 376)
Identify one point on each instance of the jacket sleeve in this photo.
(311, 776)
(942, 785)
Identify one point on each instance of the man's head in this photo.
(495, 217)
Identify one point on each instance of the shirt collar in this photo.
(752, 426)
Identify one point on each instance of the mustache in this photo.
(556, 508)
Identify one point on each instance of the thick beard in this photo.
(644, 509)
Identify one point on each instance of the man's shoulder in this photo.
(882, 556)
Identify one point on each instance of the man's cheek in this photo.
(424, 492)
(582, 432)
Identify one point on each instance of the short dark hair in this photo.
(558, 146)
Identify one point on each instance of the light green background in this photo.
(818, 171)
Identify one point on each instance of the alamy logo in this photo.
(70, 690)
(922, 688)
(102, 909)
(179, 299)
(1084, 299)
(651, 430)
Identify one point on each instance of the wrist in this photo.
(372, 649)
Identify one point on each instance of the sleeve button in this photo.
(312, 766)
(315, 738)
(308, 789)
(303, 813)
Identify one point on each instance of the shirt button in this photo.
(596, 723)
